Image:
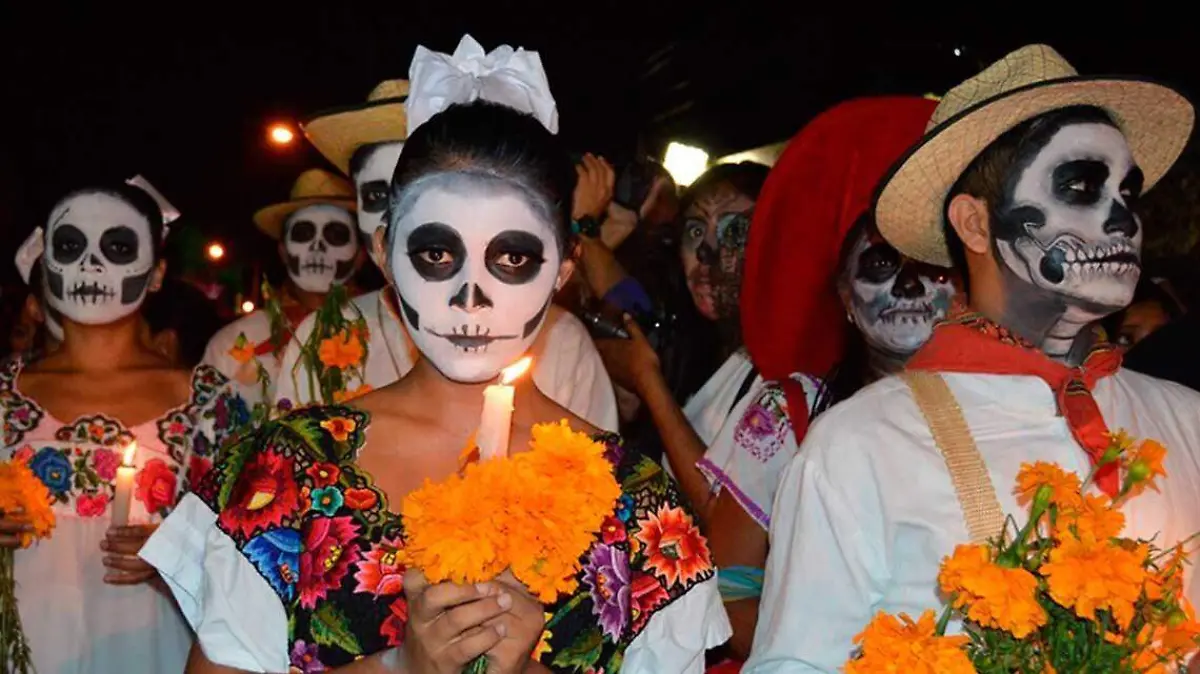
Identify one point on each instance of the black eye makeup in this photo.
(67, 244)
(1080, 182)
(119, 245)
(515, 257)
(437, 251)
(302, 231)
(374, 196)
(878, 263)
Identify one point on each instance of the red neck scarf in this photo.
(968, 342)
(294, 313)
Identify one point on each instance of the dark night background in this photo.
(183, 96)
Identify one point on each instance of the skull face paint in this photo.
(99, 258)
(371, 182)
(475, 268)
(704, 220)
(320, 246)
(894, 301)
(1067, 226)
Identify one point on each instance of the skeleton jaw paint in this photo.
(320, 246)
(475, 269)
(1068, 229)
(894, 301)
(371, 185)
(99, 258)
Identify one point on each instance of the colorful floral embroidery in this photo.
(320, 533)
(765, 426)
(21, 415)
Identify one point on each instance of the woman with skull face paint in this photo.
(476, 245)
(71, 416)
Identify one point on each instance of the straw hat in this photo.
(1155, 120)
(314, 186)
(337, 133)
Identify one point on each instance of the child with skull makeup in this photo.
(74, 412)
(1026, 177)
(475, 247)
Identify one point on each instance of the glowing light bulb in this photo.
(247, 307)
(685, 163)
(280, 134)
(216, 251)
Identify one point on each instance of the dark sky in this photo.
(183, 96)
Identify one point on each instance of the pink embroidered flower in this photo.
(176, 428)
(155, 486)
(326, 556)
(23, 455)
(91, 506)
(380, 573)
(612, 530)
(197, 469)
(392, 628)
(105, 462)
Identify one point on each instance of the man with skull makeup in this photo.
(318, 243)
(365, 141)
(1027, 174)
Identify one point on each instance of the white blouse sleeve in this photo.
(675, 638)
(238, 619)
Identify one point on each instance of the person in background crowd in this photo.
(73, 414)
(179, 322)
(1160, 335)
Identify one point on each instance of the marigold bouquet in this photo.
(536, 513)
(20, 491)
(1064, 593)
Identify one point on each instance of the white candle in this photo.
(124, 494)
(495, 425)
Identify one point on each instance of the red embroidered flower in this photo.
(612, 530)
(392, 628)
(380, 573)
(105, 462)
(197, 469)
(91, 506)
(675, 550)
(647, 594)
(324, 474)
(155, 486)
(24, 454)
(326, 556)
(264, 494)
(360, 499)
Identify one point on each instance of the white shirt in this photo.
(256, 326)
(566, 364)
(866, 512)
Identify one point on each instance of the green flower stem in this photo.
(477, 666)
(944, 620)
(15, 657)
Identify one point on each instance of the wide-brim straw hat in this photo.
(314, 186)
(338, 132)
(1155, 120)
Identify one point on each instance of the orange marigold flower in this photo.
(342, 350)
(1091, 576)
(242, 351)
(1143, 467)
(21, 489)
(1167, 581)
(341, 396)
(891, 644)
(1094, 520)
(1065, 487)
(989, 594)
(339, 427)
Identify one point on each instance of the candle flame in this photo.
(130, 450)
(510, 374)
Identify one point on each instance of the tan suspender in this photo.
(976, 495)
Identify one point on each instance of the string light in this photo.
(685, 163)
(281, 134)
(215, 251)
(247, 307)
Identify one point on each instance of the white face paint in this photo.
(475, 268)
(895, 301)
(320, 245)
(1068, 227)
(372, 183)
(98, 260)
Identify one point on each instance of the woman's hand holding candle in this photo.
(121, 562)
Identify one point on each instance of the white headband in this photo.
(169, 213)
(512, 77)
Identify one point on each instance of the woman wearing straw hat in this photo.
(318, 244)
(364, 141)
(1026, 178)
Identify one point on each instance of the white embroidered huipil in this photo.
(866, 512)
(566, 365)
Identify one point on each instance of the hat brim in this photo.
(270, 219)
(1155, 119)
(337, 133)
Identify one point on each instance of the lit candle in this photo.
(124, 495)
(496, 423)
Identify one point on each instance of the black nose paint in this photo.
(705, 254)
(908, 283)
(471, 296)
(1120, 221)
(1051, 266)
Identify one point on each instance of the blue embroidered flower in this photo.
(276, 555)
(54, 470)
(327, 500)
(624, 507)
(239, 412)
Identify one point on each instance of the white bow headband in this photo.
(35, 244)
(512, 77)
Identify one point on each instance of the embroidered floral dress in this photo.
(75, 622)
(303, 548)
